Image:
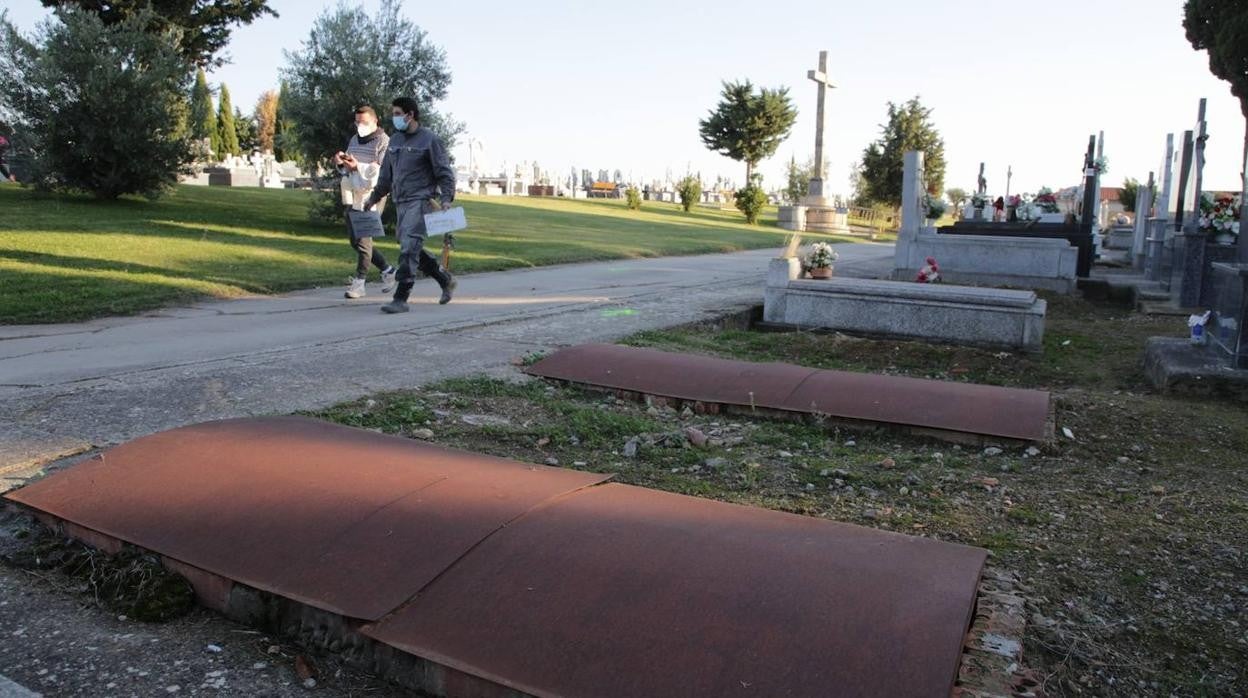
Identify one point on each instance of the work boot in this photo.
(388, 280)
(448, 284)
(355, 289)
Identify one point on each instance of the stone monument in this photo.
(817, 212)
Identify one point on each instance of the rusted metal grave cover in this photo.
(622, 591)
(944, 405)
(342, 519)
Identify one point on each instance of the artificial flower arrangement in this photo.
(979, 200)
(1101, 165)
(930, 273)
(1219, 216)
(819, 260)
(1046, 201)
(934, 206)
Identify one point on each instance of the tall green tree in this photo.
(106, 104)
(245, 129)
(797, 180)
(1129, 195)
(909, 127)
(748, 125)
(204, 26)
(1221, 28)
(351, 58)
(285, 147)
(957, 197)
(226, 130)
(203, 117)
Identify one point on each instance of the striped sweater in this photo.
(369, 152)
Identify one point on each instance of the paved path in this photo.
(69, 388)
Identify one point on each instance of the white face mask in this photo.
(365, 129)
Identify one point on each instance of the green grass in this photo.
(67, 258)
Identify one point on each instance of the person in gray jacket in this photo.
(417, 174)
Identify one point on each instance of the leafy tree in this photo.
(798, 180)
(909, 127)
(266, 120)
(747, 125)
(351, 58)
(285, 145)
(1130, 193)
(634, 198)
(203, 118)
(690, 190)
(957, 196)
(1221, 28)
(204, 25)
(226, 130)
(858, 186)
(245, 129)
(108, 102)
(751, 199)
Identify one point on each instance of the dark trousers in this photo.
(412, 253)
(365, 253)
(5, 174)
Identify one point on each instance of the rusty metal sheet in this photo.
(684, 376)
(346, 520)
(945, 405)
(623, 591)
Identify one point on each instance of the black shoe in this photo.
(448, 288)
(394, 307)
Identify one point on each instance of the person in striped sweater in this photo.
(360, 165)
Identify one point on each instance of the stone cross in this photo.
(820, 77)
(1100, 154)
(1181, 189)
(1143, 204)
(1167, 179)
(1192, 224)
(1009, 177)
(983, 183)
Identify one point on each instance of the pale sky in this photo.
(622, 86)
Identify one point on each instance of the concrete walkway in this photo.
(66, 389)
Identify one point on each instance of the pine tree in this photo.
(225, 126)
(747, 125)
(245, 129)
(203, 118)
(909, 127)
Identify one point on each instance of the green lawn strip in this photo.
(67, 258)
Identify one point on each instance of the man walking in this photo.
(418, 175)
(360, 166)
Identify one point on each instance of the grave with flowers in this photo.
(795, 296)
(1028, 254)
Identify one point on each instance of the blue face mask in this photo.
(400, 122)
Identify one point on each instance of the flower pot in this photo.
(821, 272)
(1224, 238)
(979, 213)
